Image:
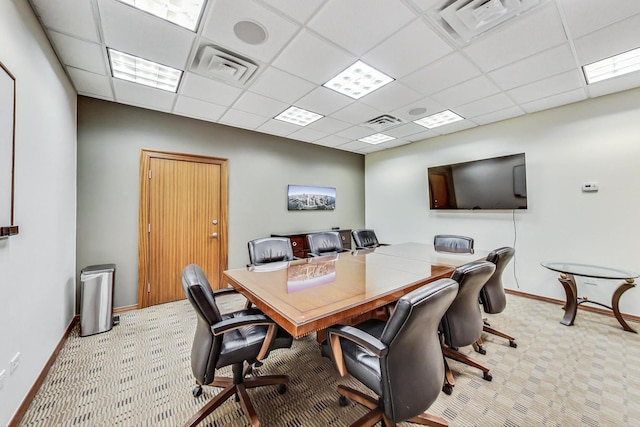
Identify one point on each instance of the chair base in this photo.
(460, 357)
(377, 415)
(478, 345)
(239, 390)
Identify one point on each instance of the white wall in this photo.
(261, 166)
(595, 140)
(37, 267)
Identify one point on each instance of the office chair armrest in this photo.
(224, 291)
(251, 320)
(357, 336)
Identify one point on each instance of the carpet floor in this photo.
(139, 374)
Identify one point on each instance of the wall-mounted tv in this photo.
(307, 198)
(495, 183)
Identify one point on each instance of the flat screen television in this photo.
(495, 183)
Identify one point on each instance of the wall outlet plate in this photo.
(590, 187)
(15, 362)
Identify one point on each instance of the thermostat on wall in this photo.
(589, 187)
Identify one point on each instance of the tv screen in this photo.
(495, 183)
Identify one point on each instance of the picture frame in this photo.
(310, 198)
(7, 151)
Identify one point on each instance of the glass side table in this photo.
(567, 272)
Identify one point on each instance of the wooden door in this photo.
(182, 221)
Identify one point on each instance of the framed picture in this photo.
(7, 146)
(307, 198)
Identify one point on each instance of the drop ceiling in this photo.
(529, 62)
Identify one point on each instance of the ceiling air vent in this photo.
(465, 20)
(383, 122)
(218, 63)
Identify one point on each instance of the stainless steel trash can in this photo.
(96, 299)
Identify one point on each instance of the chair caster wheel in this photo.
(197, 391)
(513, 344)
(281, 388)
(487, 376)
(447, 389)
(257, 364)
(482, 350)
(342, 401)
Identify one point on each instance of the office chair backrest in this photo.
(412, 371)
(324, 243)
(462, 323)
(492, 295)
(452, 243)
(364, 238)
(206, 348)
(270, 249)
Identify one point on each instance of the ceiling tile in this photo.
(456, 127)
(282, 86)
(425, 134)
(329, 125)
(356, 25)
(585, 16)
(260, 105)
(404, 130)
(332, 141)
(537, 67)
(391, 96)
(323, 101)
(555, 101)
(410, 112)
(522, 36)
(242, 119)
(547, 87)
(310, 57)
(442, 74)
(140, 95)
(463, 93)
(355, 132)
(356, 113)
(277, 127)
(307, 134)
(213, 91)
(605, 87)
(226, 14)
(496, 116)
(80, 54)
(56, 15)
(141, 34)
(191, 107)
(89, 83)
(609, 41)
(493, 103)
(413, 47)
(300, 11)
(354, 146)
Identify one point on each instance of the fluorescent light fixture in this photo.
(298, 116)
(376, 138)
(614, 66)
(358, 80)
(185, 13)
(439, 119)
(138, 70)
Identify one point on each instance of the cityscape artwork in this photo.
(306, 198)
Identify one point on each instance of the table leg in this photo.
(571, 307)
(628, 284)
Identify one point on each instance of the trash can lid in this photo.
(98, 268)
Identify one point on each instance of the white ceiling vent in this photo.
(383, 122)
(217, 63)
(465, 20)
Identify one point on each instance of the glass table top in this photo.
(586, 270)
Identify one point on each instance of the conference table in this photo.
(308, 295)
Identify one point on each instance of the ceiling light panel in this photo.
(439, 119)
(185, 13)
(376, 138)
(298, 116)
(138, 70)
(358, 80)
(614, 66)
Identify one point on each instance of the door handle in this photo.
(213, 235)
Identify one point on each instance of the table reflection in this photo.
(316, 272)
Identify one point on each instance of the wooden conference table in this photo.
(309, 295)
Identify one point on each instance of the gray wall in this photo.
(110, 137)
(37, 266)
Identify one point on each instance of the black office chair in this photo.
(399, 360)
(325, 243)
(462, 323)
(492, 296)
(235, 339)
(453, 244)
(270, 249)
(365, 239)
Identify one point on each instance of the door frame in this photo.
(143, 213)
